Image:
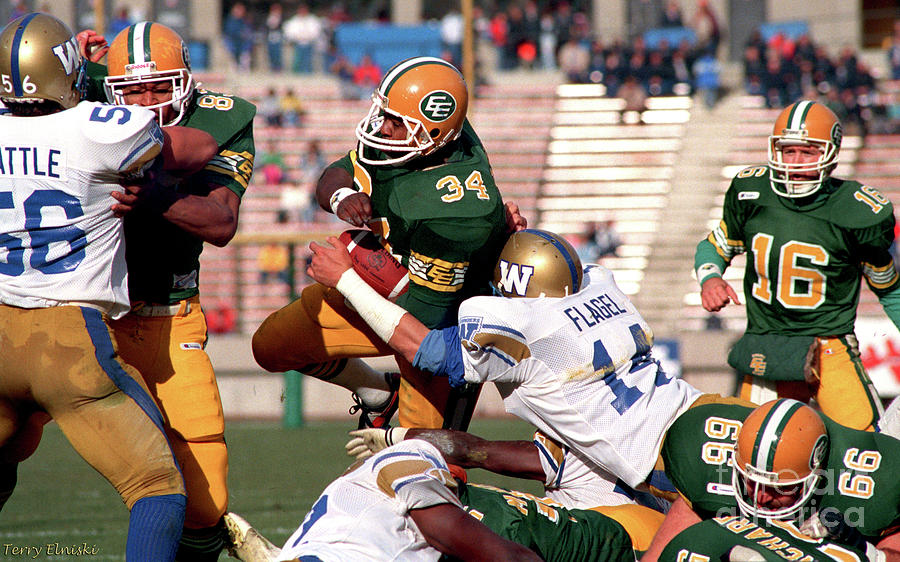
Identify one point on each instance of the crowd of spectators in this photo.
(785, 69)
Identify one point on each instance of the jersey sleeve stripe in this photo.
(141, 154)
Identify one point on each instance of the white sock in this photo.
(357, 376)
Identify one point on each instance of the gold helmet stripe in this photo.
(564, 252)
(770, 433)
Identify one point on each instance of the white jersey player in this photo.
(363, 515)
(384, 508)
(566, 348)
(577, 367)
(64, 244)
(62, 276)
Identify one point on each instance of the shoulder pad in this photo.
(219, 114)
(110, 124)
(855, 205)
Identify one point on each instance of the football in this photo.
(375, 264)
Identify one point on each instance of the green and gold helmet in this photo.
(537, 263)
(39, 60)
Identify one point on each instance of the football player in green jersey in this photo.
(420, 178)
(164, 335)
(811, 236)
(738, 539)
(783, 461)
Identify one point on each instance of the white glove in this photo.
(367, 442)
(744, 554)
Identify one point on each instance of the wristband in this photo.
(379, 313)
(338, 196)
(706, 271)
(395, 435)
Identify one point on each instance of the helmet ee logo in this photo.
(438, 106)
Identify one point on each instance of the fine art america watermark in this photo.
(47, 550)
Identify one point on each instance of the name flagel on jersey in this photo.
(63, 243)
(580, 369)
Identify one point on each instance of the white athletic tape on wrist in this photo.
(379, 313)
(706, 271)
(338, 196)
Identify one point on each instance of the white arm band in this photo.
(339, 195)
(706, 271)
(379, 313)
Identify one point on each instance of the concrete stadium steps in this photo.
(607, 164)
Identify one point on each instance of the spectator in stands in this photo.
(706, 72)
(269, 108)
(754, 70)
(312, 162)
(275, 37)
(516, 34)
(270, 163)
(292, 109)
(303, 30)
(344, 70)
(671, 16)
(614, 74)
(19, 9)
(451, 36)
(574, 61)
(366, 76)
(272, 262)
(499, 30)
(547, 41)
(635, 97)
(893, 52)
(120, 22)
(238, 35)
(706, 25)
(599, 240)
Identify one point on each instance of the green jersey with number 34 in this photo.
(445, 221)
(805, 257)
(859, 477)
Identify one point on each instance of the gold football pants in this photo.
(63, 361)
(169, 353)
(843, 390)
(319, 327)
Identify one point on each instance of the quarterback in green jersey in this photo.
(809, 238)
(420, 179)
(783, 461)
(164, 336)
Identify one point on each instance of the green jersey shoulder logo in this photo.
(437, 106)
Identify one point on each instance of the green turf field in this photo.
(275, 476)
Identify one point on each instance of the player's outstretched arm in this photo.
(716, 293)
(890, 546)
(520, 459)
(186, 150)
(455, 533)
(332, 267)
(679, 518)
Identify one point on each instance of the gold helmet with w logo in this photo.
(429, 95)
(39, 60)
(145, 53)
(537, 263)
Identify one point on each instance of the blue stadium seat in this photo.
(387, 44)
(673, 35)
(790, 29)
